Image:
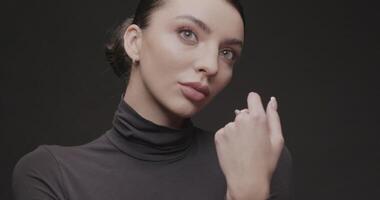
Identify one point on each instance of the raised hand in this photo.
(248, 149)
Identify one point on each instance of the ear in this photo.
(132, 41)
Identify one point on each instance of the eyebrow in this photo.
(198, 22)
(207, 29)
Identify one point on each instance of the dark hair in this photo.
(114, 47)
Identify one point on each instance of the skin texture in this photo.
(167, 57)
(248, 149)
(172, 50)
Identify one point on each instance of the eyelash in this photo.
(187, 29)
(234, 55)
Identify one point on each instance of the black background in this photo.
(319, 58)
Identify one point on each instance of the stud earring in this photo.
(135, 62)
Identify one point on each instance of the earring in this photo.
(136, 62)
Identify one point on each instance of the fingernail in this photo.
(273, 103)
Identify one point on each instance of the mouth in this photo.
(195, 91)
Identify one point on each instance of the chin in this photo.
(185, 109)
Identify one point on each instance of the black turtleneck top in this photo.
(136, 159)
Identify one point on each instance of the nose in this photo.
(208, 62)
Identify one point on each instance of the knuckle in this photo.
(220, 131)
(240, 117)
(259, 117)
(218, 135)
(229, 125)
(280, 140)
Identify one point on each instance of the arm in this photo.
(280, 185)
(37, 176)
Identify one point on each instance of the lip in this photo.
(198, 86)
(194, 91)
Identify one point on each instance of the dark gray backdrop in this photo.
(319, 58)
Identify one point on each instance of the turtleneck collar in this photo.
(145, 140)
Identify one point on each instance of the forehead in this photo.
(219, 15)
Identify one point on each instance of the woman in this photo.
(177, 56)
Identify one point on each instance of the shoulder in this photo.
(43, 160)
(37, 173)
(36, 161)
(45, 171)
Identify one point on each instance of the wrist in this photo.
(254, 190)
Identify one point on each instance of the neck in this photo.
(142, 101)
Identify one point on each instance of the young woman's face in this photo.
(189, 41)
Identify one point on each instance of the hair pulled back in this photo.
(114, 47)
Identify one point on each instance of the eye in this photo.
(229, 54)
(188, 35)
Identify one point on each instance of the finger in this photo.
(240, 111)
(255, 106)
(274, 121)
(229, 126)
(242, 114)
(218, 135)
(244, 110)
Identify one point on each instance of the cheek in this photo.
(163, 55)
(221, 80)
